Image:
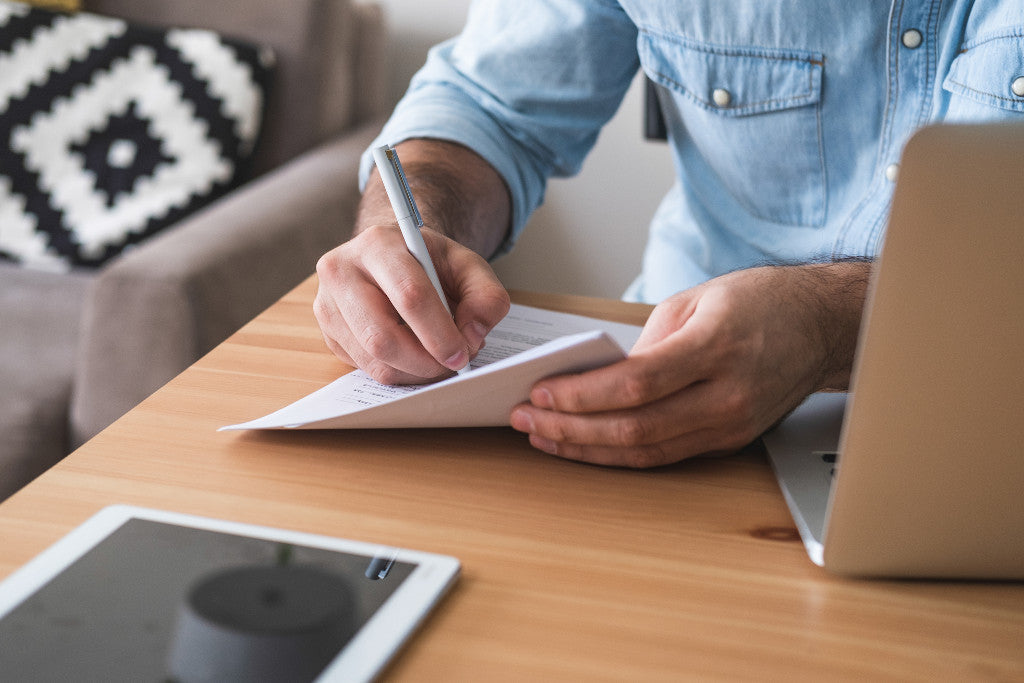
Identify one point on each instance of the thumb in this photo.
(667, 318)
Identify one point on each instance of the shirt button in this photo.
(912, 38)
(892, 171)
(721, 97)
(1018, 86)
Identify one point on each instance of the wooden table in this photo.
(571, 572)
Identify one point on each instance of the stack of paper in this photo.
(528, 345)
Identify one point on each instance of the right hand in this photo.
(378, 311)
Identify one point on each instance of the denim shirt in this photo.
(786, 118)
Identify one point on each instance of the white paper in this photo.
(528, 345)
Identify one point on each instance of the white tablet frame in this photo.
(365, 655)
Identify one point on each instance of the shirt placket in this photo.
(911, 71)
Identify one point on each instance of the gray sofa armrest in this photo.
(159, 307)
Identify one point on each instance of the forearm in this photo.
(458, 194)
(835, 294)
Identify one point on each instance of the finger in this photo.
(634, 457)
(642, 378)
(372, 337)
(483, 305)
(637, 438)
(668, 317)
(380, 343)
(476, 318)
(333, 329)
(331, 322)
(380, 371)
(689, 410)
(680, 345)
(408, 288)
(339, 351)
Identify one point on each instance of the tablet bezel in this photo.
(363, 657)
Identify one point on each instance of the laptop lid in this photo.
(930, 476)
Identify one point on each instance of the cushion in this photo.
(111, 132)
(320, 46)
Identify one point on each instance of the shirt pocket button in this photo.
(723, 98)
(1018, 86)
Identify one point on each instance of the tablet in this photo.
(146, 595)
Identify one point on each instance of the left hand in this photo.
(715, 366)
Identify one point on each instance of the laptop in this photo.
(919, 470)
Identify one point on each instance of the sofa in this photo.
(81, 347)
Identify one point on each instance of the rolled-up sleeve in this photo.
(527, 85)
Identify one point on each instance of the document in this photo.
(528, 345)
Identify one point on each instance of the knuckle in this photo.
(325, 310)
(335, 269)
(497, 299)
(631, 431)
(637, 388)
(556, 431)
(377, 343)
(737, 407)
(324, 265)
(566, 400)
(330, 265)
(408, 295)
(339, 351)
(382, 373)
(320, 310)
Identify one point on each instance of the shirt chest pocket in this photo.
(986, 80)
(752, 116)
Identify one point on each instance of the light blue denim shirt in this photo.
(786, 118)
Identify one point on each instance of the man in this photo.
(786, 121)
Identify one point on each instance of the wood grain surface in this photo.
(570, 572)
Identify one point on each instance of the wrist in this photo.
(375, 207)
(459, 194)
(836, 293)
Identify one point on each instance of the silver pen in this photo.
(408, 215)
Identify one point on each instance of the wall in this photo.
(589, 235)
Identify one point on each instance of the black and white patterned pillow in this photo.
(110, 132)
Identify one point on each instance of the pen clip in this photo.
(392, 156)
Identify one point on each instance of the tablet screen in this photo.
(155, 601)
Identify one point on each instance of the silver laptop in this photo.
(919, 470)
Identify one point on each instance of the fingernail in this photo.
(521, 421)
(542, 398)
(458, 361)
(474, 333)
